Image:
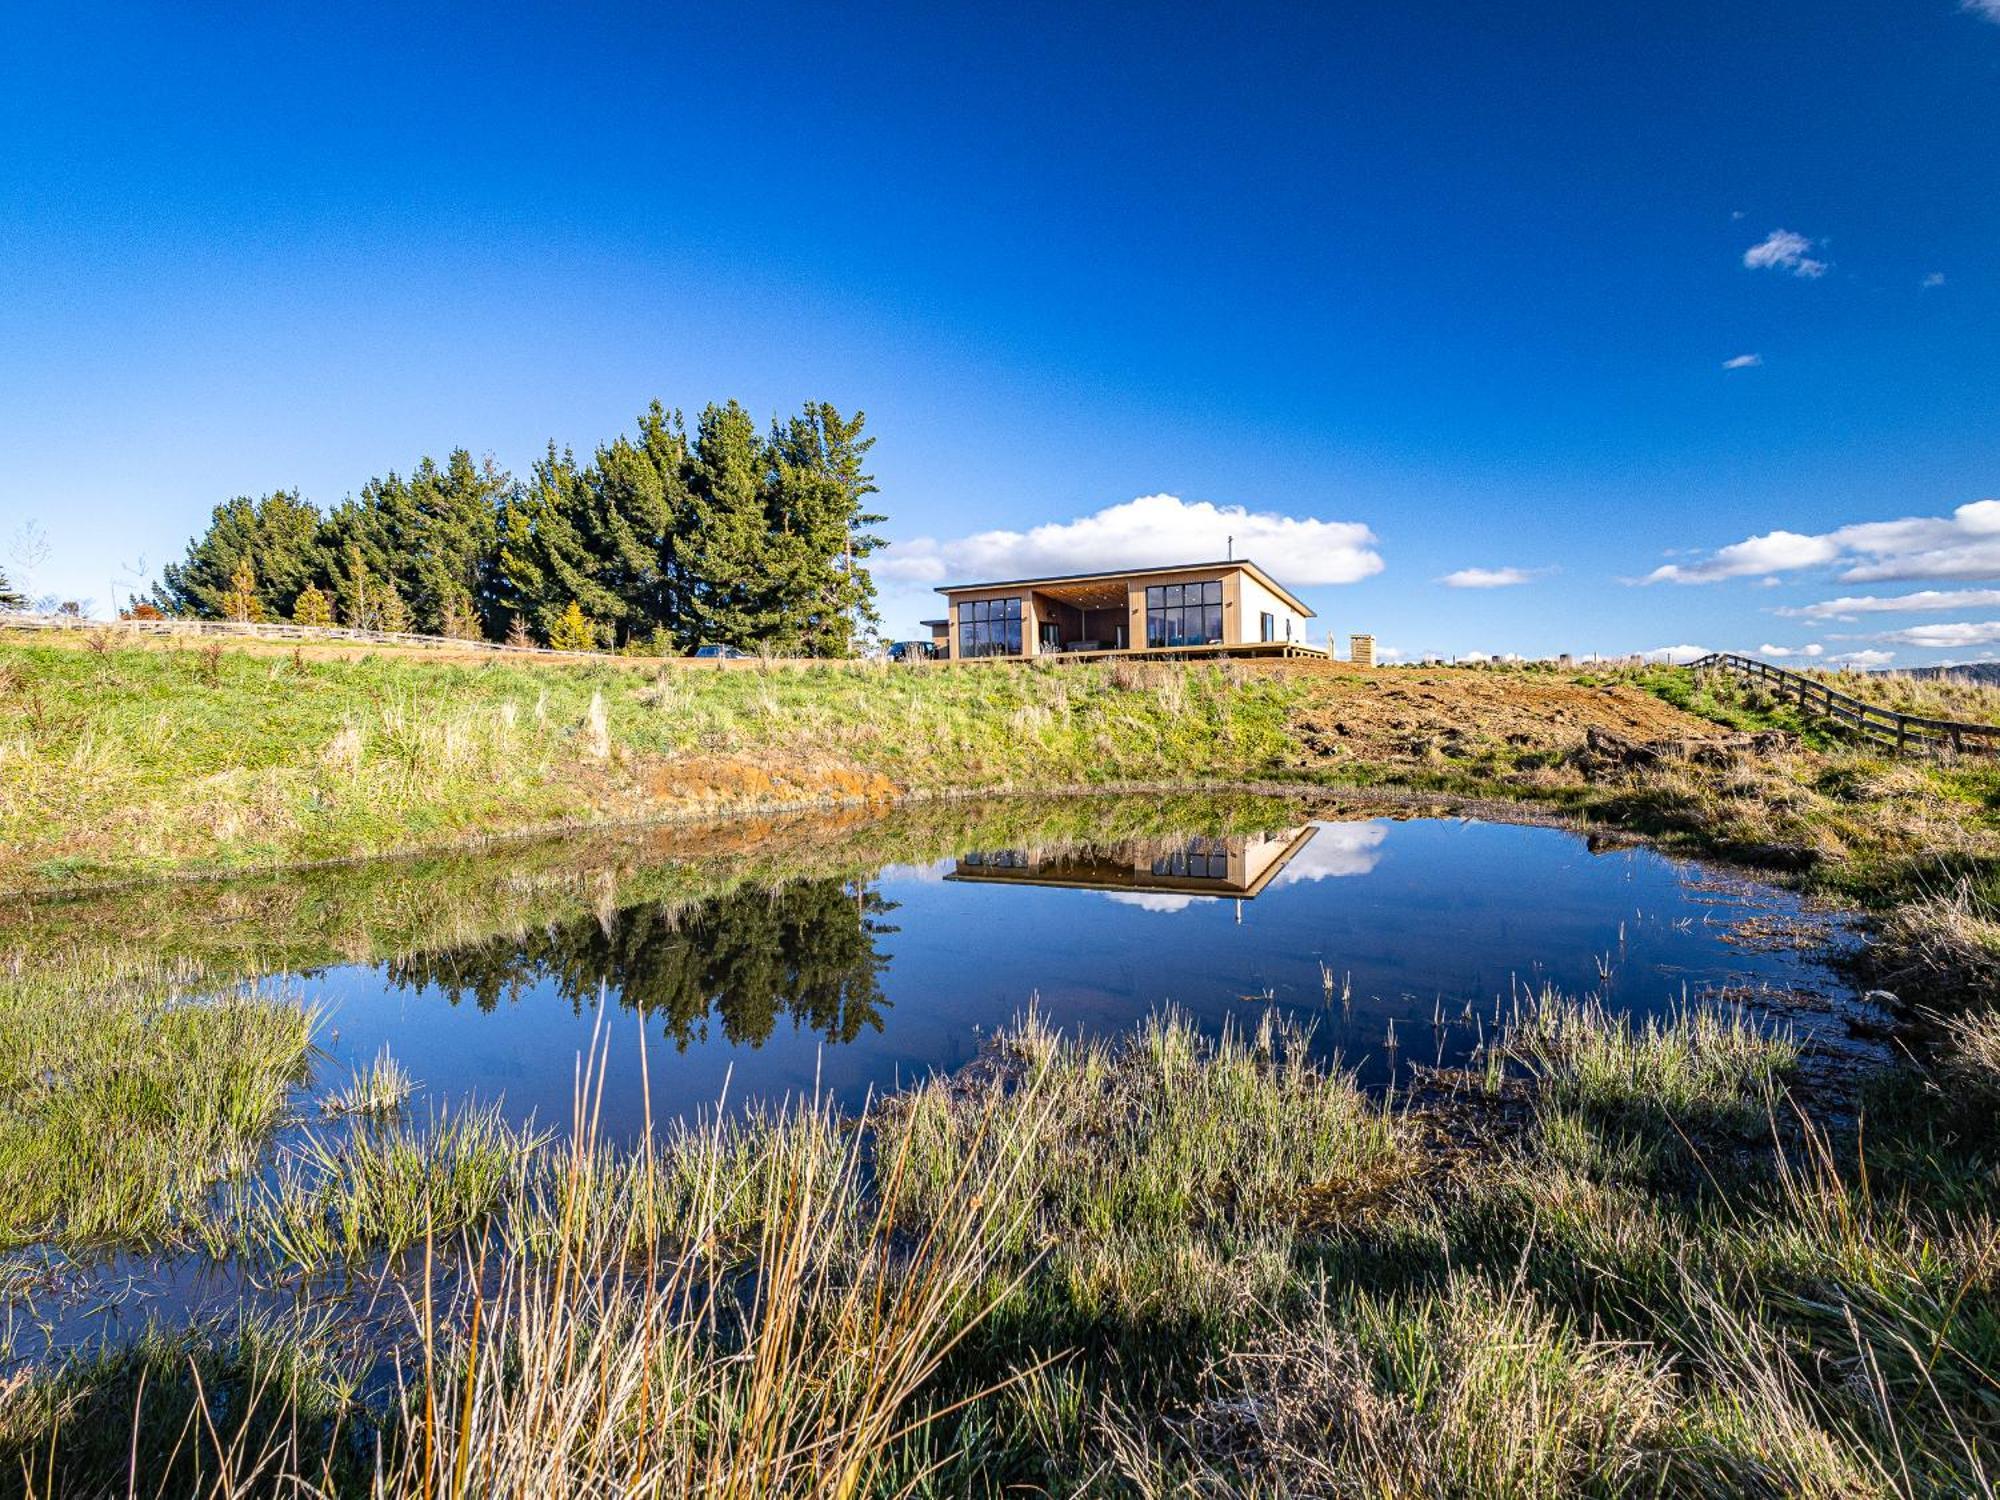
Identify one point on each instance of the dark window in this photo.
(1269, 623)
(1203, 859)
(1184, 614)
(990, 627)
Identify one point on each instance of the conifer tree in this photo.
(11, 597)
(729, 546)
(546, 562)
(278, 535)
(731, 536)
(572, 631)
(636, 522)
(312, 607)
(239, 601)
(821, 536)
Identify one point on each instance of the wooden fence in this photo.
(282, 630)
(1880, 726)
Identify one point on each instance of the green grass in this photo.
(135, 761)
(1155, 1265)
(1629, 1259)
(122, 1103)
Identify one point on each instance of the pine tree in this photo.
(278, 535)
(573, 631)
(821, 537)
(731, 536)
(240, 601)
(731, 558)
(635, 521)
(452, 519)
(354, 589)
(392, 615)
(312, 607)
(11, 597)
(546, 562)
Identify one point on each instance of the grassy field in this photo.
(1609, 1259)
(138, 760)
(1163, 1266)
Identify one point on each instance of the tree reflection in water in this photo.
(804, 950)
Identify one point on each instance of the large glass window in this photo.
(1184, 614)
(990, 627)
(1202, 859)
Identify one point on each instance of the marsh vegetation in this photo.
(1593, 1247)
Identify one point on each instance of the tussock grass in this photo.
(1166, 1129)
(380, 1088)
(381, 1188)
(123, 1103)
(1473, 1390)
(1704, 1064)
(1971, 1055)
(143, 758)
(1160, 1264)
(584, 1358)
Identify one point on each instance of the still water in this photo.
(848, 985)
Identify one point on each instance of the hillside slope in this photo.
(125, 760)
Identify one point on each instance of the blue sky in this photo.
(1422, 289)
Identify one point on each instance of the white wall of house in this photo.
(1257, 601)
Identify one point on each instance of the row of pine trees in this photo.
(661, 541)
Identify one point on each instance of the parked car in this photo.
(721, 653)
(913, 651)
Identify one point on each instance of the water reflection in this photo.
(845, 955)
(806, 952)
(847, 985)
(1216, 866)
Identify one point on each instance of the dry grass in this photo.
(1474, 1390)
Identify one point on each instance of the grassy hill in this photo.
(130, 759)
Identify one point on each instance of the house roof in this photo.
(1243, 563)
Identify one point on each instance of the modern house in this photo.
(1238, 865)
(1231, 608)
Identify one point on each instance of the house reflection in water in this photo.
(1238, 865)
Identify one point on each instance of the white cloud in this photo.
(1862, 659)
(1965, 544)
(1743, 362)
(1153, 900)
(1151, 530)
(1947, 636)
(1781, 249)
(1780, 653)
(1678, 655)
(1336, 851)
(1774, 550)
(1936, 278)
(1922, 601)
(1493, 578)
(934, 873)
(1987, 8)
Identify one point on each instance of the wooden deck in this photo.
(1249, 650)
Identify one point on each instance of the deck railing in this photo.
(1869, 721)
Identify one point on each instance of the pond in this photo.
(1397, 939)
(840, 956)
